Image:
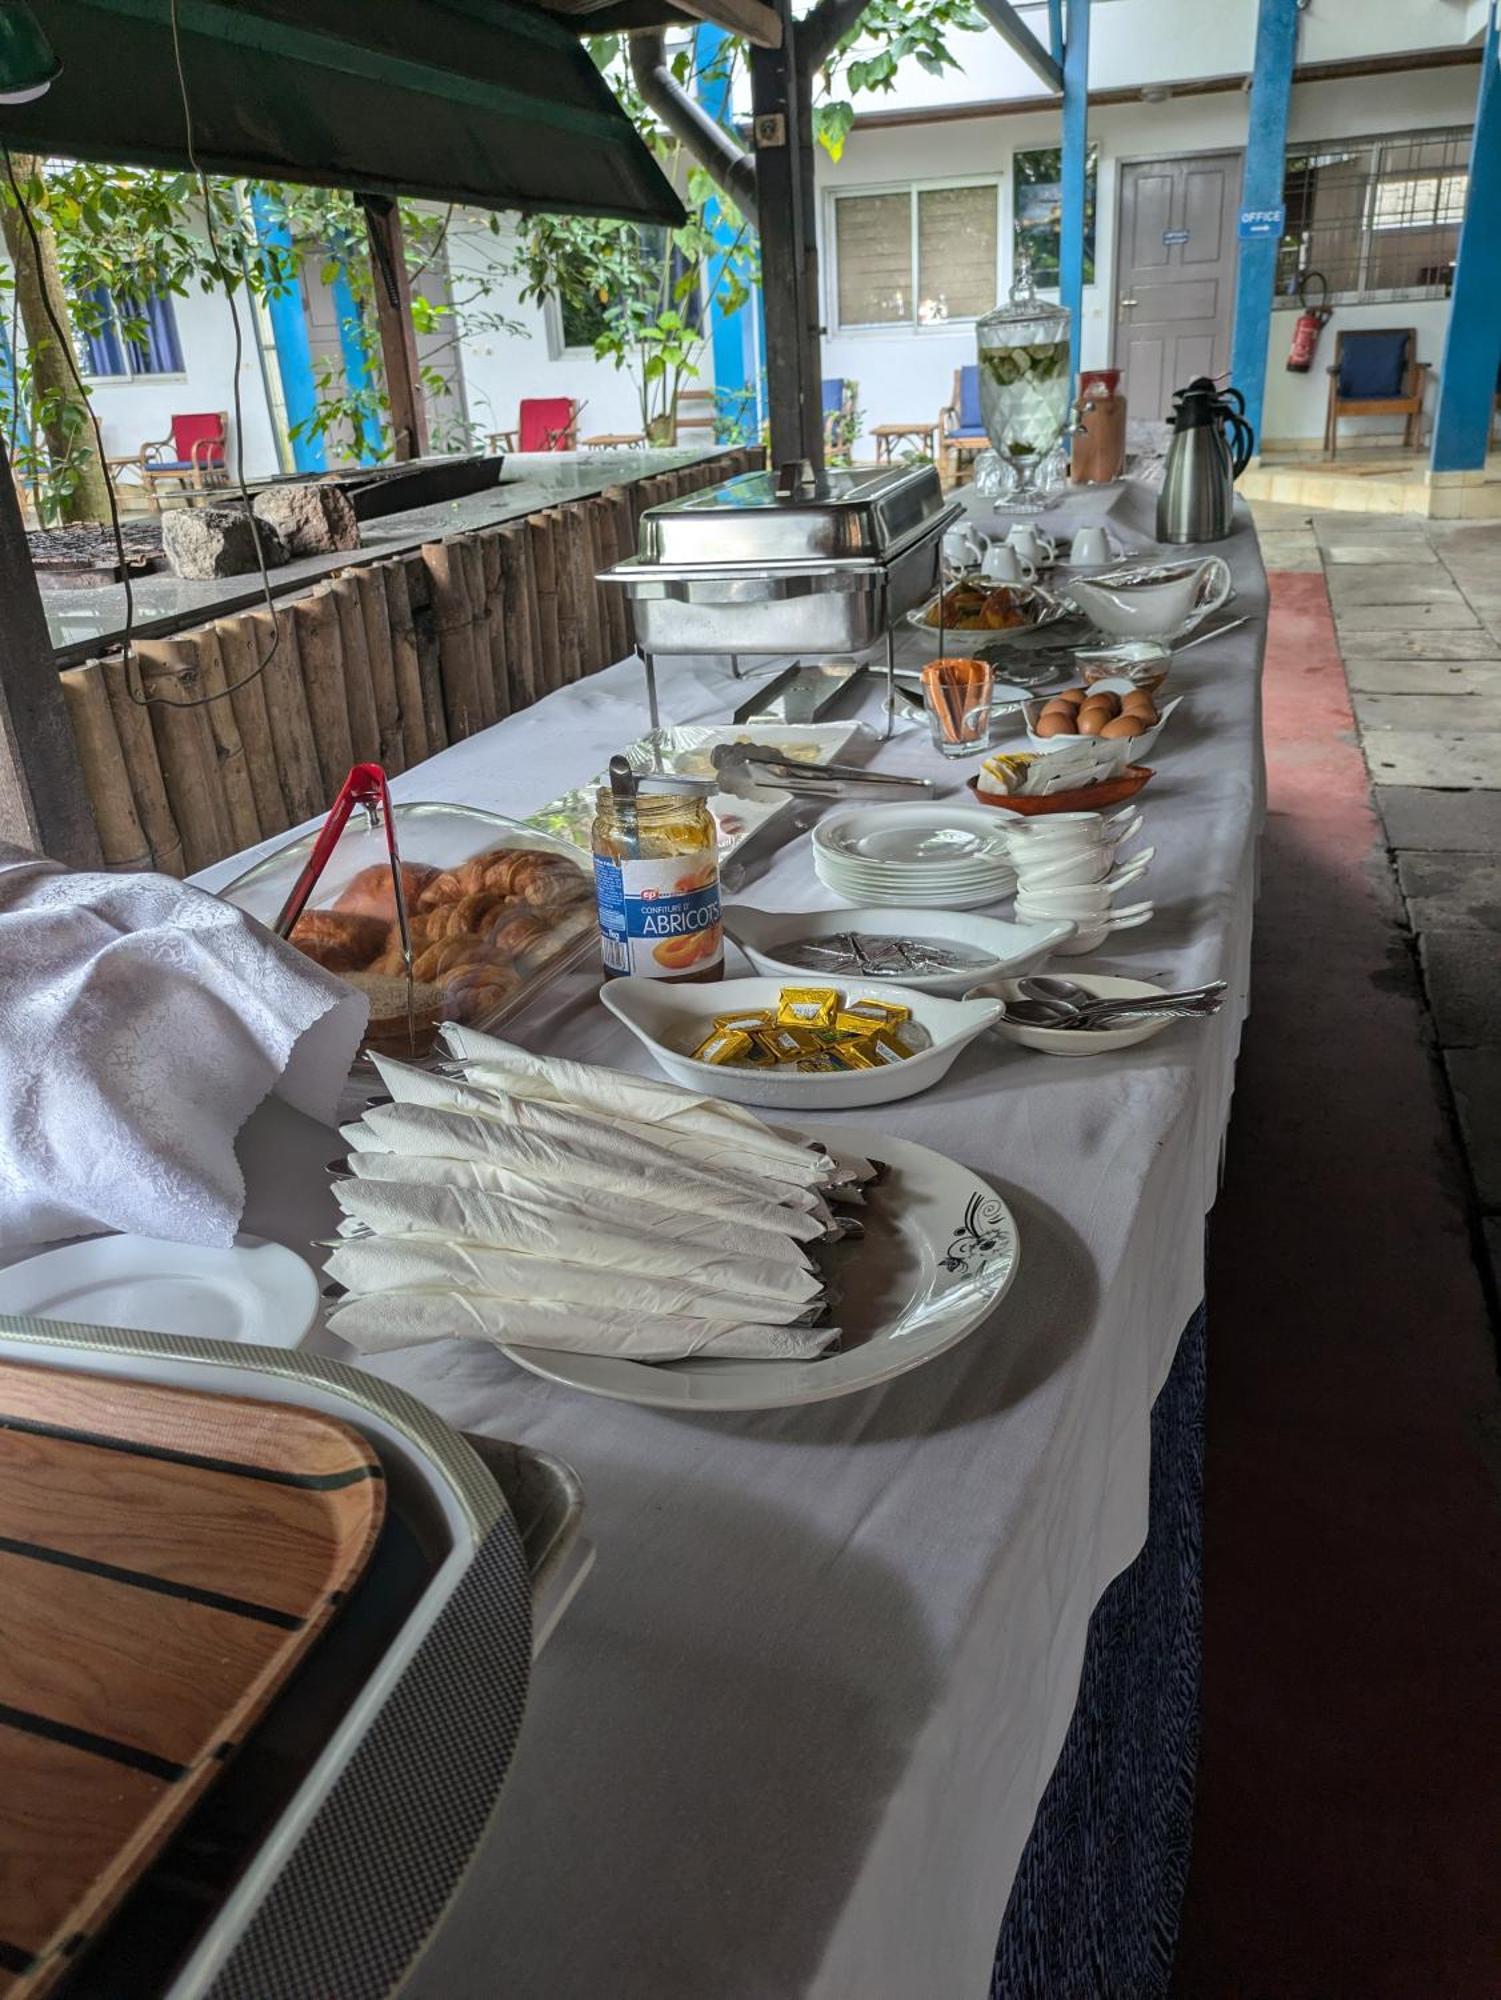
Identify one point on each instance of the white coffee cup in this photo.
(1091, 546)
(1067, 871)
(1094, 931)
(1030, 545)
(1001, 564)
(964, 546)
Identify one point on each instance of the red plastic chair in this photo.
(197, 446)
(547, 423)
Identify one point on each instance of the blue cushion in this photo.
(1373, 365)
(970, 433)
(833, 395)
(969, 400)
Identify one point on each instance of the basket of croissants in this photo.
(480, 933)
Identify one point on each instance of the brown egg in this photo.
(1075, 697)
(1057, 706)
(1102, 698)
(1057, 725)
(1126, 725)
(1093, 722)
(1139, 702)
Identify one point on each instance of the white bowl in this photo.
(671, 1019)
(1013, 948)
(1157, 601)
(1077, 1041)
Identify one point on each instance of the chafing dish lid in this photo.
(794, 516)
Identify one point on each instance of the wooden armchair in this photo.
(193, 456)
(544, 423)
(1376, 373)
(961, 429)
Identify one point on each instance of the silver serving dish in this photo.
(1048, 609)
(795, 564)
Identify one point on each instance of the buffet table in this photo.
(792, 1736)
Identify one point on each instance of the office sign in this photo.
(1256, 222)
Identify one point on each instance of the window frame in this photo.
(1376, 145)
(127, 347)
(903, 328)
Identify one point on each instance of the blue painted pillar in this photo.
(14, 411)
(1266, 171)
(1075, 174)
(1472, 344)
(294, 355)
(732, 336)
(1055, 30)
(367, 437)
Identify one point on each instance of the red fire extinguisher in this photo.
(1310, 324)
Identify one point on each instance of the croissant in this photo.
(338, 941)
(517, 933)
(473, 992)
(372, 893)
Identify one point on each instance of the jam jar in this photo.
(656, 881)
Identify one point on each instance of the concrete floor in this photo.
(1417, 611)
(1348, 1810)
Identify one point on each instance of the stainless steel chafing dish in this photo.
(794, 563)
(787, 562)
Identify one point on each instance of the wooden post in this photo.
(232, 772)
(544, 550)
(495, 612)
(121, 835)
(468, 549)
(407, 663)
(287, 707)
(454, 617)
(389, 720)
(782, 124)
(425, 638)
(393, 313)
(316, 622)
(138, 748)
(44, 800)
(189, 757)
(241, 650)
(518, 610)
(359, 690)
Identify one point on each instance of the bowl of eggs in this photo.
(1125, 719)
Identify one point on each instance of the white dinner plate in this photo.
(924, 835)
(939, 1254)
(257, 1292)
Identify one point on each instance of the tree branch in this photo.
(818, 34)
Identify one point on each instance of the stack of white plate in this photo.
(934, 857)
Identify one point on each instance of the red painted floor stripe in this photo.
(1348, 1832)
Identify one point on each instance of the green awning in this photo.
(480, 102)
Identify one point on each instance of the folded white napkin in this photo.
(612, 1138)
(664, 1243)
(433, 1263)
(760, 1231)
(377, 1321)
(142, 1022)
(572, 1159)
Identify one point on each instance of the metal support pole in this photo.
(289, 331)
(398, 337)
(1472, 343)
(44, 803)
(782, 122)
(1075, 176)
(1055, 30)
(1261, 191)
(1019, 38)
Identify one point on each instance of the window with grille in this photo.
(917, 256)
(1378, 218)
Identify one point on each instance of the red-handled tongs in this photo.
(365, 786)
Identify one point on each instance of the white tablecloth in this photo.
(791, 1737)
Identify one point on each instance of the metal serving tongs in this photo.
(759, 764)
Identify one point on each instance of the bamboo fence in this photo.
(383, 662)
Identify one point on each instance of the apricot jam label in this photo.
(659, 919)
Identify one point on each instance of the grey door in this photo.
(1174, 275)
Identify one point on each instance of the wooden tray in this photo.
(166, 1558)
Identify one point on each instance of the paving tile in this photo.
(1451, 614)
(1449, 757)
(1441, 822)
(1407, 549)
(1475, 1079)
(1434, 677)
(1290, 552)
(1452, 891)
(1391, 584)
(1476, 644)
(1480, 712)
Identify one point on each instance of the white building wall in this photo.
(905, 374)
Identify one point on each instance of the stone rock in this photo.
(202, 543)
(312, 520)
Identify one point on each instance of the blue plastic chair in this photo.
(1376, 374)
(962, 433)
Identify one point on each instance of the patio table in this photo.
(792, 1736)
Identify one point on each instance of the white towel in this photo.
(142, 1022)
(379, 1321)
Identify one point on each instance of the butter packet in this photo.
(724, 1045)
(807, 1007)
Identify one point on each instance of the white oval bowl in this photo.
(672, 1019)
(1014, 948)
(1078, 1041)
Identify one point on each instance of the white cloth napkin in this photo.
(143, 1021)
(382, 1320)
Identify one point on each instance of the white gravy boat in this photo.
(1161, 601)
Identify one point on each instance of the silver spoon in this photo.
(1051, 986)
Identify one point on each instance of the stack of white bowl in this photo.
(1066, 867)
(933, 857)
